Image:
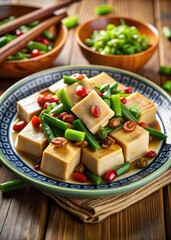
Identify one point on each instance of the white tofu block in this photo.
(71, 89)
(104, 78)
(60, 162)
(28, 107)
(57, 86)
(134, 144)
(147, 108)
(101, 161)
(31, 140)
(82, 111)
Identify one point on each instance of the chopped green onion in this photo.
(11, 185)
(64, 99)
(116, 105)
(127, 114)
(58, 109)
(74, 135)
(69, 80)
(70, 22)
(123, 168)
(103, 9)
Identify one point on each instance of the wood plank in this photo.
(167, 209)
(23, 212)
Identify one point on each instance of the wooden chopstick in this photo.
(35, 15)
(22, 40)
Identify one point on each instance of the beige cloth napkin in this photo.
(93, 210)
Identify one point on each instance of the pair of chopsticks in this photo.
(22, 40)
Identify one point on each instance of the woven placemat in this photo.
(93, 210)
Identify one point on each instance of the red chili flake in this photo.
(110, 175)
(45, 41)
(151, 154)
(78, 76)
(123, 100)
(95, 111)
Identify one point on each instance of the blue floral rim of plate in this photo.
(43, 79)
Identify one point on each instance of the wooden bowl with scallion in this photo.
(117, 41)
(39, 53)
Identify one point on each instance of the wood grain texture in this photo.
(29, 214)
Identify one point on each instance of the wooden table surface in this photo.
(29, 214)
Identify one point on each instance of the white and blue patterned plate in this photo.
(29, 85)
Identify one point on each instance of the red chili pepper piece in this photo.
(110, 175)
(37, 167)
(35, 53)
(95, 111)
(142, 124)
(18, 32)
(128, 90)
(45, 41)
(79, 177)
(35, 121)
(81, 91)
(42, 99)
(18, 126)
(129, 126)
(151, 154)
(78, 76)
(123, 100)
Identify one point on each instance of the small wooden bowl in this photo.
(22, 68)
(128, 62)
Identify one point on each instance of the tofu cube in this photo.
(147, 108)
(104, 159)
(31, 141)
(60, 162)
(57, 86)
(71, 89)
(28, 107)
(134, 144)
(104, 78)
(82, 111)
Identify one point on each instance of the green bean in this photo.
(96, 179)
(70, 22)
(56, 122)
(11, 185)
(165, 70)
(103, 9)
(167, 86)
(74, 135)
(33, 24)
(69, 80)
(65, 100)
(57, 132)
(126, 113)
(58, 109)
(110, 130)
(113, 87)
(116, 105)
(18, 56)
(98, 86)
(37, 45)
(104, 88)
(3, 41)
(106, 97)
(89, 137)
(46, 128)
(155, 133)
(123, 168)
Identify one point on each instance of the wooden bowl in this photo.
(22, 68)
(128, 62)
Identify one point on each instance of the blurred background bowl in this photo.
(22, 68)
(129, 62)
